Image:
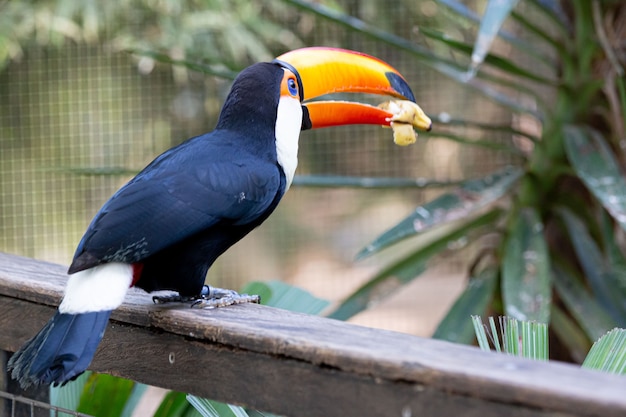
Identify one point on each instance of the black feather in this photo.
(174, 219)
(230, 176)
(61, 351)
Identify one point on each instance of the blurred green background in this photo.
(86, 100)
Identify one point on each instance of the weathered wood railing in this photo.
(299, 365)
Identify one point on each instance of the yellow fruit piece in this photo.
(406, 116)
(403, 134)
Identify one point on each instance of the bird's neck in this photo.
(247, 114)
(266, 131)
(250, 129)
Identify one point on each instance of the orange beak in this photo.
(323, 71)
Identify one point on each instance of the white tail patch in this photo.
(100, 288)
(288, 125)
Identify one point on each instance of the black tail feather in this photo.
(61, 351)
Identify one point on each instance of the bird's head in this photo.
(273, 102)
(303, 76)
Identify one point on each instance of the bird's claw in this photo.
(221, 297)
(209, 297)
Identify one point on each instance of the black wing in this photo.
(186, 190)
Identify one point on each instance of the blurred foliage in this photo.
(549, 231)
(554, 242)
(529, 339)
(558, 247)
(79, 115)
(231, 33)
(608, 354)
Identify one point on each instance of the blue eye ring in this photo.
(292, 87)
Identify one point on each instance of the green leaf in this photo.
(496, 12)
(105, 395)
(526, 287)
(462, 10)
(456, 326)
(609, 353)
(68, 395)
(528, 339)
(593, 319)
(215, 70)
(614, 255)
(621, 90)
(135, 396)
(92, 171)
(261, 289)
(553, 10)
(524, 46)
(210, 408)
(470, 197)
(175, 404)
(480, 143)
(446, 119)
(596, 166)
(334, 181)
(534, 340)
(495, 94)
(608, 286)
(481, 334)
(78, 392)
(281, 295)
(539, 31)
(510, 335)
(408, 268)
(501, 63)
(569, 333)
(365, 28)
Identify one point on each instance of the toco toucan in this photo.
(166, 226)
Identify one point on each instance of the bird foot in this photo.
(209, 297)
(215, 297)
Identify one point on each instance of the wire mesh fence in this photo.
(78, 118)
(20, 406)
(79, 115)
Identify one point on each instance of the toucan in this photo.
(165, 227)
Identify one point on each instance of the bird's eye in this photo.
(292, 86)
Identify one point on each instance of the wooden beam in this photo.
(299, 365)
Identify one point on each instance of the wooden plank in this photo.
(300, 365)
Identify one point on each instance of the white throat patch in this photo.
(288, 125)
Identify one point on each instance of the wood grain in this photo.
(300, 365)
